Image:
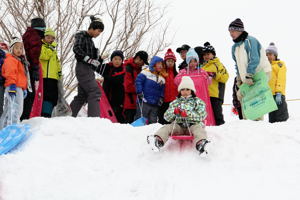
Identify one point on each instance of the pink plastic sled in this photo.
(183, 137)
(37, 105)
(201, 82)
(105, 109)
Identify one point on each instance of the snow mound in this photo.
(90, 158)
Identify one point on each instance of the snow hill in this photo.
(87, 158)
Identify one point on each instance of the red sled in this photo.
(183, 137)
(105, 109)
(37, 105)
(201, 82)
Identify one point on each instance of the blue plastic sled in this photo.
(140, 122)
(11, 136)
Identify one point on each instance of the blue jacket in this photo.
(152, 85)
(2, 57)
(253, 49)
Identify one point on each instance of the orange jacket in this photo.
(14, 72)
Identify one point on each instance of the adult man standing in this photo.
(182, 51)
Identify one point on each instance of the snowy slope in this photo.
(92, 159)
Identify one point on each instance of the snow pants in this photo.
(163, 108)
(50, 96)
(88, 91)
(13, 108)
(148, 111)
(216, 104)
(165, 132)
(281, 114)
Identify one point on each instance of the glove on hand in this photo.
(278, 98)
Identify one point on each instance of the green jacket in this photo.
(195, 108)
(50, 62)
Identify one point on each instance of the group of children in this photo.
(22, 62)
(134, 87)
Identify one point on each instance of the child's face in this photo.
(117, 61)
(208, 56)
(193, 64)
(18, 49)
(235, 34)
(185, 92)
(271, 57)
(139, 61)
(170, 63)
(158, 66)
(49, 39)
(183, 54)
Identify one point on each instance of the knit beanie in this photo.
(50, 32)
(272, 49)
(117, 53)
(191, 54)
(38, 23)
(186, 82)
(208, 48)
(236, 25)
(13, 42)
(170, 55)
(143, 55)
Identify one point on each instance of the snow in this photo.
(69, 158)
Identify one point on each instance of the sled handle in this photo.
(141, 106)
(11, 108)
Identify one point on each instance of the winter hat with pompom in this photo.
(209, 49)
(186, 82)
(191, 54)
(170, 55)
(272, 49)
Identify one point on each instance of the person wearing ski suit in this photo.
(150, 85)
(186, 113)
(170, 87)
(113, 74)
(14, 71)
(133, 66)
(277, 85)
(88, 61)
(248, 54)
(51, 72)
(218, 76)
(32, 40)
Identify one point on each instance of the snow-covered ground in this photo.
(84, 158)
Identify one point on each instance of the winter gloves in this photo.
(278, 98)
(211, 74)
(12, 90)
(95, 63)
(180, 113)
(249, 79)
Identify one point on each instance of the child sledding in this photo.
(186, 113)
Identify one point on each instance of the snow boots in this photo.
(155, 142)
(200, 146)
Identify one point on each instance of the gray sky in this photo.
(196, 22)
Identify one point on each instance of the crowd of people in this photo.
(159, 91)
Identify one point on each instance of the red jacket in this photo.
(132, 70)
(170, 87)
(32, 44)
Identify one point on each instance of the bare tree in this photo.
(130, 25)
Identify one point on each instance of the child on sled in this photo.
(186, 113)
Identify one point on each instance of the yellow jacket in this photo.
(217, 86)
(50, 62)
(278, 79)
